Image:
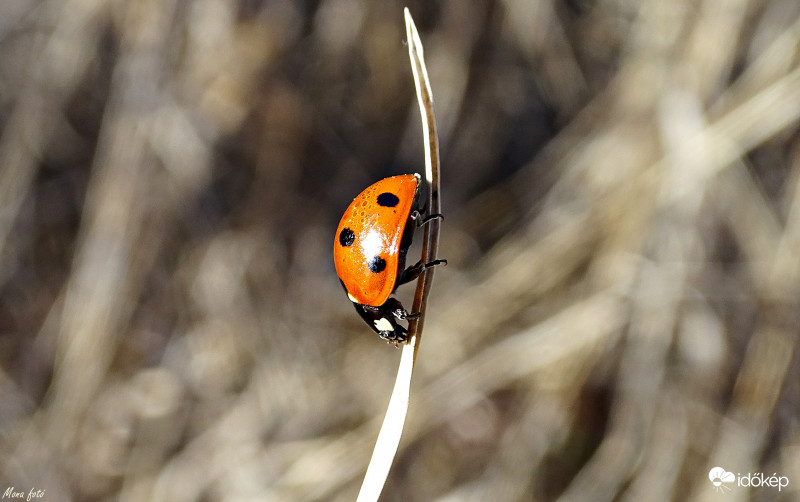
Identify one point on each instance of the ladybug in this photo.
(369, 252)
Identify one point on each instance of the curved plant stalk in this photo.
(392, 428)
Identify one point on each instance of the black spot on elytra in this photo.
(387, 199)
(347, 237)
(376, 264)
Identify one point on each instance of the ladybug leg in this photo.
(394, 308)
(430, 217)
(413, 271)
(419, 220)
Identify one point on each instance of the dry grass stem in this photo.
(392, 428)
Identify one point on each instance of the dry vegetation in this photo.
(621, 180)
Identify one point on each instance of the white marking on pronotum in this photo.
(383, 324)
(352, 298)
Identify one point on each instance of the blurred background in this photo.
(619, 315)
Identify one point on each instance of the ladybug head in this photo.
(383, 320)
